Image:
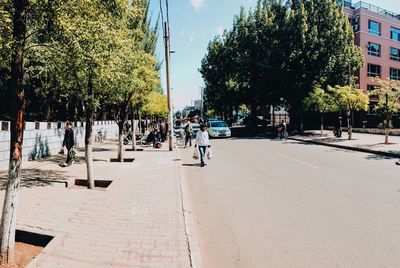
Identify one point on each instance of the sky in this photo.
(193, 24)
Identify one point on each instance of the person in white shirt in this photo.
(203, 141)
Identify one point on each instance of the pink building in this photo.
(377, 32)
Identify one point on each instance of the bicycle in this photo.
(99, 137)
(283, 135)
(127, 138)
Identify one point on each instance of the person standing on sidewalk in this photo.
(338, 127)
(188, 134)
(68, 143)
(203, 141)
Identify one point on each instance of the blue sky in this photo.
(193, 23)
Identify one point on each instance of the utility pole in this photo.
(202, 102)
(167, 54)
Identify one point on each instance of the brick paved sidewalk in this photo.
(136, 222)
(369, 143)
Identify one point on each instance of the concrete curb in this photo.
(193, 248)
(350, 148)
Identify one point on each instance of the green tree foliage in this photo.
(277, 53)
(350, 99)
(321, 101)
(156, 105)
(388, 94)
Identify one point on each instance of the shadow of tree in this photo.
(61, 158)
(96, 149)
(380, 157)
(35, 178)
(40, 149)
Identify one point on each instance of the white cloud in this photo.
(219, 30)
(197, 4)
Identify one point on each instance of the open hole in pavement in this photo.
(131, 150)
(27, 246)
(126, 160)
(97, 183)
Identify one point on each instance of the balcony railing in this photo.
(376, 9)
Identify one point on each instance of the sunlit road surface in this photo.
(263, 203)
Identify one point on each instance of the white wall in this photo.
(42, 139)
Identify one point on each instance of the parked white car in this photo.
(218, 129)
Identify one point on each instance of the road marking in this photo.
(298, 161)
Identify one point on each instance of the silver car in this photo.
(218, 129)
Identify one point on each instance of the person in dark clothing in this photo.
(69, 143)
(163, 131)
(142, 126)
(338, 127)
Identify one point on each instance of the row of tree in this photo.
(277, 53)
(79, 57)
(350, 99)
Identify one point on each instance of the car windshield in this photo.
(218, 124)
(196, 126)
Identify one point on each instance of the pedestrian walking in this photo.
(142, 127)
(163, 131)
(203, 142)
(338, 127)
(69, 143)
(188, 134)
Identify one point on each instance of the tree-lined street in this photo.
(264, 203)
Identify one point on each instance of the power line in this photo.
(161, 11)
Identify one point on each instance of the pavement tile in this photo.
(136, 222)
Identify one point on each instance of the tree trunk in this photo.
(120, 140)
(89, 135)
(387, 128)
(349, 126)
(302, 123)
(322, 124)
(17, 94)
(273, 121)
(133, 123)
(121, 123)
(386, 135)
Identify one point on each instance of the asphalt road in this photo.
(263, 203)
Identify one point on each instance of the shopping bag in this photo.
(209, 154)
(72, 154)
(195, 153)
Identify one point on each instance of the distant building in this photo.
(197, 105)
(377, 33)
(187, 110)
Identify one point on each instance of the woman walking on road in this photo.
(203, 141)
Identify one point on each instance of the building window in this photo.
(356, 23)
(374, 70)
(374, 49)
(394, 74)
(371, 88)
(374, 27)
(394, 34)
(395, 54)
(346, 3)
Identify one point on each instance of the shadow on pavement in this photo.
(191, 165)
(97, 149)
(35, 178)
(58, 159)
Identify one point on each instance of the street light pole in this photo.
(170, 119)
